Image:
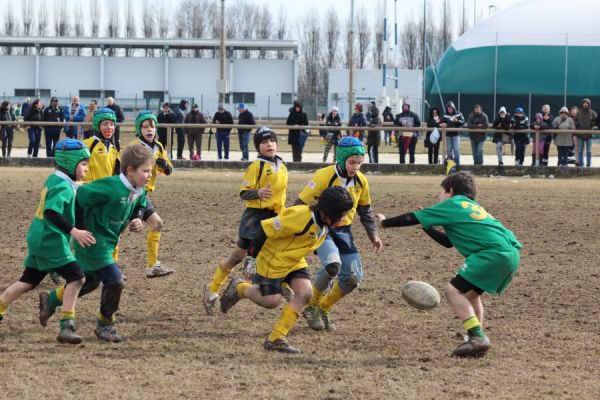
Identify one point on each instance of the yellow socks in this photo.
(115, 253)
(55, 297)
(316, 297)
(329, 300)
(152, 241)
(288, 319)
(241, 287)
(64, 315)
(3, 308)
(103, 321)
(473, 327)
(219, 278)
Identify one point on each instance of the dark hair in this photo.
(135, 156)
(32, 109)
(4, 106)
(359, 107)
(461, 183)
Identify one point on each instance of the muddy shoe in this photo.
(209, 299)
(56, 279)
(108, 333)
(157, 271)
(474, 347)
(280, 345)
(67, 333)
(287, 292)
(313, 317)
(45, 310)
(230, 296)
(327, 322)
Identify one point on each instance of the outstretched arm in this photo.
(439, 237)
(407, 219)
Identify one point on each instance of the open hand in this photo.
(265, 193)
(380, 218)
(82, 237)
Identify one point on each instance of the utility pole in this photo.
(445, 33)
(351, 61)
(424, 57)
(222, 87)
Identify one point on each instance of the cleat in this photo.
(474, 347)
(313, 317)
(108, 333)
(209, 299)
(67, 333)
(327, 323)
(45, 310)
(56, 279)
(287, 292)
(280, 345)
(230, 296)
(157, 271)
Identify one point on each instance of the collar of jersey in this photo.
(133, 192)
(322, 230)
(151, 146)
(273, 162)
(346, 182)
(67, 178)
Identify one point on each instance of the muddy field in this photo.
(544, 329)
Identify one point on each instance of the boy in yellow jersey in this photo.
(104, 160)
(145, 129)
(280, 245)
(338, 254)
(264, 190)
(49, 235)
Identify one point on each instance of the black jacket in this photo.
(194, 117)
(223, 118)
(501, 123)
(118, 112)
(165, 118)
(245, 118)
(53, 114)
(296, 118)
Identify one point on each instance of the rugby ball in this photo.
(420, 295)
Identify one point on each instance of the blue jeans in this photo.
(588, 143)
(222, 142)
(477, 149)
(563, 155)
(71, 132)
(52, 137)
(453, 148)
(339, 247)
(244, 138)
(35, 135)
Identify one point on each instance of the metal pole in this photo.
(495, 71)
(445, 34)
(396, 54)
(474, 12)
(566, 66)
(424, 58)
(351, 61)
(222, 46)
(385, 48)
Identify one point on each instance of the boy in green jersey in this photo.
(49, 235)
(106, 207)
(491, 253)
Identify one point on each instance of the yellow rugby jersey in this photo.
(159, 152)
(261, 173)
(357, 186)
(103, 161)
(291, 236)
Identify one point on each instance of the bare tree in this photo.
(42, 23)
(409, 45)
(149, 24)
(262, 26)
(130, 24)
(10, 27)
(347, 44)
(181, 24)
(282, 32)
(94, 20)
(364, 36)
(197, 23)
(332, 37)
(163, 19)
(213, 15)
(78, 26)
(378, 28)
(62, 24)
(27, 21)
(310, 61)
(113, 26)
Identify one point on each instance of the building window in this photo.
(154, 94)
(286, 98)
(89, 94)
(243, 97)
(31, 92)
(109, 93)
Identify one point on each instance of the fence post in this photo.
(269, 107)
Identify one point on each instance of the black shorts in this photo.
(149, 210)
(70, 273)
(270, 286)
(250, 223)
(464, 286)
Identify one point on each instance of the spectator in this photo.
(573, 154)
(18, 110)
(223, 116)
(110, 103)
(358, 119)
(245, 117)
(333, 137)
(34, 132)
(537, 151)
(26, 107)
(585, 120)
(563, 142)
(322, 132)
(88, 129)
(194, 135)
(297, 117)
(407, 119)
(7, 132)
(453, 119)
(388, 117)
(547, 120)
(477, 120)
(52, 113)
(73, 113)
(433, 149)
(519, 123)
(502, 123)
(179, 113)
(166, 116)
(374, 137)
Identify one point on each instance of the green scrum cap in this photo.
(347, 147)
(100, 115)
(68, 153)
(141, 117)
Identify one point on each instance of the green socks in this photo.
(473, 327)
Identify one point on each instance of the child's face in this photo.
(446, 195)
(141, 176)
(148, 130)
(107, 129)
(81, 170)
(353, 164)
(268, 148)
(329, 222)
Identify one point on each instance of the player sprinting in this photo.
(145, 129)
(491, 253)
(48, 238)
(338, 254)
(264, 190)
(280, 246)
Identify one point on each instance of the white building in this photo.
(267, 86)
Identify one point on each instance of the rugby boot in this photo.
(280, 345)
(67, 333)
(157, 271)
(313, 317)
(209, 299)
(473, 347)
(327, 322)
(108, 333)
(45, 310)
(230, 296)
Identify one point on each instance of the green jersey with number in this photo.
(47, 246)
(108, 205)
(469, 227)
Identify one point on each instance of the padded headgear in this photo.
(347, 147)
(141, 117)
(100, 115)
(68, 153)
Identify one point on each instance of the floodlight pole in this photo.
(222, 51)
(351, 62)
